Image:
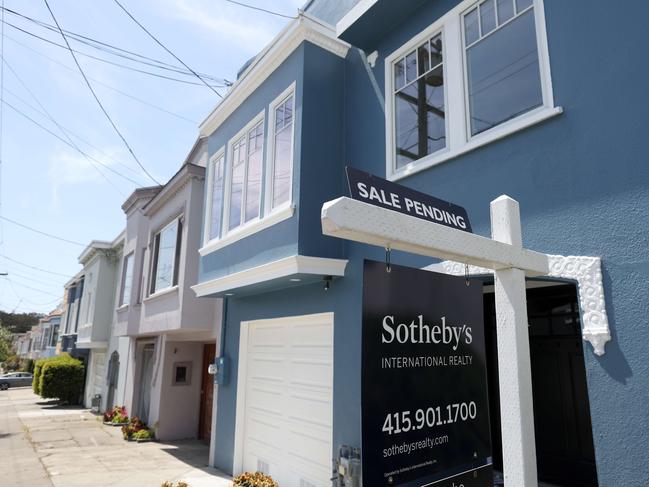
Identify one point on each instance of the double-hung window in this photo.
(477, 74)
(166, 257)
(245, 177)
(215, 202)
(127, 280)
(282, 152)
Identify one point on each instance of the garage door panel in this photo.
(288, 400)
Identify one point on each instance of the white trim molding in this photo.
(289, 266)
(585, 271)
(304, 28)
(247, 229)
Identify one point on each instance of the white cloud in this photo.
(68, 168)
(236, 25)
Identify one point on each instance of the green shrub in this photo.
(27, 365)
(145, 434)
(256, 479)
(36, 381)
(61, 377)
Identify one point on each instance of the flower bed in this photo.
(256, 479)
(137, 430)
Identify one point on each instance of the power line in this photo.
(68, 144)
(144, 102)
(43, 233)
(131, 68)
(60, 127)
(13, 273)
(34, 267)
(31, 288)
(165, 47)
(241, 4)
(115, 50)
(117, 131)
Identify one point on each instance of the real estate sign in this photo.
(424, 392)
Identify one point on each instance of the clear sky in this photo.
(45, 183)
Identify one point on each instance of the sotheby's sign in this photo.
(371, 189)
(425, 418)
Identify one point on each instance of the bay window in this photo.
(477, 74)
(166, 257)
(250, 183)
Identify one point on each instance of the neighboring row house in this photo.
(41, 341)
(466, 100)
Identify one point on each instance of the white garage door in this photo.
(286, 391)
(99, 371)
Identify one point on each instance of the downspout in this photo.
(224, 320)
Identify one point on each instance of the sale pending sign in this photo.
(425, 417)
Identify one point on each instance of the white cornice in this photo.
(304, 28)
(289, 266)
(587, 273)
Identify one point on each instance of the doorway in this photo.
(207, 393)
(564, 441)
(146, 379)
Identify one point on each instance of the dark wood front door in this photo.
(564, 441)
(207, 393)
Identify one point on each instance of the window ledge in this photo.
(532, 118)
(162, 292)
(247, 230)
(122, 308)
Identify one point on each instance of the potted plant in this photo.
(116, 416)
(257, 479)
(143, 435)
(178, 484)
(133, 426)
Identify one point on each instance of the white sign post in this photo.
(362, 222)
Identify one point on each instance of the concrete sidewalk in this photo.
(42, 445)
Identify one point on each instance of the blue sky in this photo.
(51, 187)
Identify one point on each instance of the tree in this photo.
(19, 322)
(5, 343)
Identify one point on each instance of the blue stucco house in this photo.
(464, 100)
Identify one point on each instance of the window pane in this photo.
(253, 184)
(487, 17)
(399, 74)
(423, 54)
(127, 280)
(166, 253)
(436, 50)
(411, 67)
(288, 111)
(522, 5)
(420, 119)
(238, 173)
(505, 10)
(471, 28)
(503, 74)
(217, 198)
(282, 159)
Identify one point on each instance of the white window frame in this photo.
(208, 199)
(458, 138)
(270, 156)
(125, 301)
(155, 257)
(225, 225)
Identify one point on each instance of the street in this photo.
(43, 445)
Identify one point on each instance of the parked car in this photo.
(15, 379)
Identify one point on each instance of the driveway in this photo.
(42, 445)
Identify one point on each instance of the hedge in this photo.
(59, 377)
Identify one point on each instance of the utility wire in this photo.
(131, 68)
(165, 47)
(34, 267)
(117, 131)
(132, 97)
(68, 144)
(42, 232)
(61, 128)
(31, 288)
(115, 50)
(241, 4)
